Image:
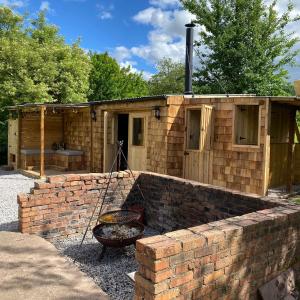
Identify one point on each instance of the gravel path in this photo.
(110, 272)
(11, 183)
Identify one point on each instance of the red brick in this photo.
(181, 279)
(168, 295)
(56, 179)
(163, 249)
(72, 177)
(192, 241)
(213, 276)
(142, 243)
(154, 265)
(149, 286)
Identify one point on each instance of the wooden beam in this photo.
(267, 147)
(297, 132)
(18, 165)
(42, 141)
(291, 151)
(91, 140)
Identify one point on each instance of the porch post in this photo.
(42, 141)
(18, 163)
(291, 151)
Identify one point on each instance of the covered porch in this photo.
(284, 175)
(50, 139)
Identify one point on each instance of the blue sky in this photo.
(136, 32)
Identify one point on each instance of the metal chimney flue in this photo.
(189, 59)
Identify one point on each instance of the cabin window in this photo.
(13, 158)
(193, 129)
(246, 124)
(138, 132)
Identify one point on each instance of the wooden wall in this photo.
(175, 136)
(30, 130)
(237, 167)
(297, 164)
(156, 131)
(13, 139)
(279, 132)
(77, 132)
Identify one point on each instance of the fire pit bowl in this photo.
(118, 235)
(119, 217)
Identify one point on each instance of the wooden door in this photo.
(198, 153)
(137, 144)
(13, 142)
(110, 145)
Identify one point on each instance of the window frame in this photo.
(144, 133)
(187, 116)
(251, 146)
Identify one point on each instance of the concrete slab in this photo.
(31, 268)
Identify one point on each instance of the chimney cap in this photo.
(190, 25)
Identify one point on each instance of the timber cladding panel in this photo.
(77, 133)
(30, 130)
(97, 141)
(238, 167)
(175, 136)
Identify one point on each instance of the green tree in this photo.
(109, 81)
(244, 46)
(36, 65)
(169, 79)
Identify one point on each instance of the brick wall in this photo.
(172, 203)
(62, 205)
(228, 259)
(252, 242)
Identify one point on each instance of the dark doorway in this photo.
(123, 120)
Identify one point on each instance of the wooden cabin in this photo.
(241, 142)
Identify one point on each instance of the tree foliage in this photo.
(36, 65)
(244, 46)
(110, 81)
(169, 79)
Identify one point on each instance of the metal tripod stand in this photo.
(117, 160)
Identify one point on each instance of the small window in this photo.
(246, 124)
(12, 158)
(193, 129)
(138, 132)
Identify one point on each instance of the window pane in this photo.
(246, 124)
(193, 130)
(138, 132)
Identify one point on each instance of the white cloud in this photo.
(165, 39)
(104, 13)
(131, 64)
(121, 53)
(14, 3)
(45, 5)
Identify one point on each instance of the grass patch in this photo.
(296, 200)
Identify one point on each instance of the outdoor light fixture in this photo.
(93, 115)
(157, 112)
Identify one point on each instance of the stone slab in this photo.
(31, 268)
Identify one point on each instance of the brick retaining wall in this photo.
(174, 203)
(228, 259)
(62, 205)
(253, 240)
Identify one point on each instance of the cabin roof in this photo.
(295, 100)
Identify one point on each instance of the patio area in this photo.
(31, 268)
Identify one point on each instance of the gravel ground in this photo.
(11, 183)
(110, 272)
